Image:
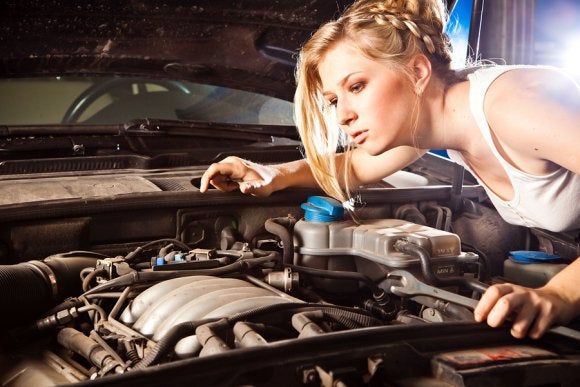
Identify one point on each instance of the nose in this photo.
(345, 115)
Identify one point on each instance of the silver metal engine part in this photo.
(161, 307)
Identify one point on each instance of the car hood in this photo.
(176, 39)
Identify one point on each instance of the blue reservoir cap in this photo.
(159, 261)
(525, 256)
(322, 209)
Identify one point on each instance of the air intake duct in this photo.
(30, 288)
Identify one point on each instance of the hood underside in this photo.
(227, 42)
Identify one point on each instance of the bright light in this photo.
(570, 58)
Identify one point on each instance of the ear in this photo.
(420, 66)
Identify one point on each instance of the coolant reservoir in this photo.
(323, 239)
(311, 235)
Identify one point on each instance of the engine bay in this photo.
(115, 270)
(273, 291)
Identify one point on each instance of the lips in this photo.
(359, 136)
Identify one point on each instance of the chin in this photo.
(374, 150)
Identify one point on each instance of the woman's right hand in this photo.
(233, 172)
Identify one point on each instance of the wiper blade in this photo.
(60, 130)
(159, 127)
(246, 132)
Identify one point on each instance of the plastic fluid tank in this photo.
(329, 243)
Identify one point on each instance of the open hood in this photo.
(230, 42)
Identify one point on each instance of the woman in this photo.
(381, 73)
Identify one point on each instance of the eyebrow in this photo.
(341, 82)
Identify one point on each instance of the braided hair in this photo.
(388, 31)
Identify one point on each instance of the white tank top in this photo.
(550, 202)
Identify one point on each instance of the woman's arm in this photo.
(261, 180)
(368, 169)
(256, 179)
(533, 311)
(535, 118)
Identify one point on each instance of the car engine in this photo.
(246, 283)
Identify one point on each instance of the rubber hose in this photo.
(339, 275)
(427, 271)
(30, 288)
(352, 320)
(155, 276)
(179, 331)
(282, 228)
(168, 342)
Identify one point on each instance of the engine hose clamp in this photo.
(46, 272)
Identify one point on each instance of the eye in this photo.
(331, 102)
(357, 87)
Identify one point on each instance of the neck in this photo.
(444, 118)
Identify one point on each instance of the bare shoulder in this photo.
(535, 113)
(544, 83)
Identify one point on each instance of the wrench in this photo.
(410, 286)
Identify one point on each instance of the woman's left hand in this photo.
(532, 311)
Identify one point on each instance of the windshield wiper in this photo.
(59, 130)
(159, 127)
(247, 132)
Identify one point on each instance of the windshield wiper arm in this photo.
(246, 132)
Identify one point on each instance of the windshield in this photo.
(117, 100)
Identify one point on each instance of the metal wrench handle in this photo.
(410, 286)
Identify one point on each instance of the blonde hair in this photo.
(388, 31)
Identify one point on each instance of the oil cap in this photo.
(322, 209)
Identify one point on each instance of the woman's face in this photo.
(373, 103)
